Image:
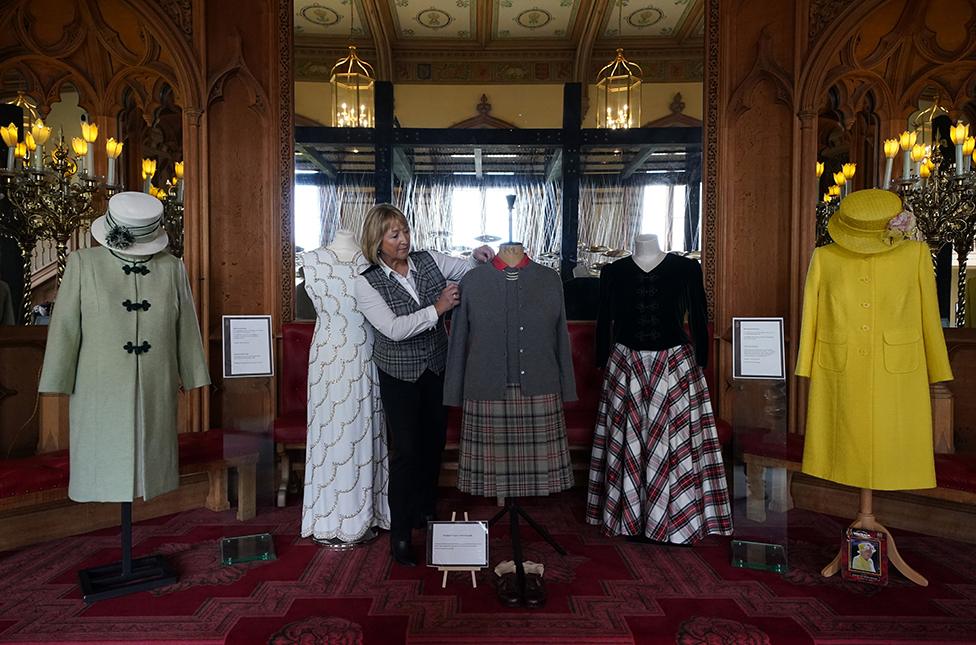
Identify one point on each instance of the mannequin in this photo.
(511, 253)
(346, 470)
(647, 252)
(344, 245)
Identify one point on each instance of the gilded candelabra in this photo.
(50, 199)
(173, 223)
(943, 201)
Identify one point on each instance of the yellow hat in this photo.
(861, 223)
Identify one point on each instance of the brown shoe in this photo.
(507, 589)
(535, 591)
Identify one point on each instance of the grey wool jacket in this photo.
(477, 356)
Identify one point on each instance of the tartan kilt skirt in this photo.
(515, 447)
(656, 468)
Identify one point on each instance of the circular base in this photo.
(336, 544)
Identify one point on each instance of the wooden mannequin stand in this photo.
(128, 576)
(865, 520)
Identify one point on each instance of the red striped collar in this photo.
(499, 264)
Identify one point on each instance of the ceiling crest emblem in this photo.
(645, 17)
(434, 18)
(320, 15)
(534, 18)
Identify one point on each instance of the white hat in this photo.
(132, 225)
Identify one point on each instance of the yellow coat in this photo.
(871, 342)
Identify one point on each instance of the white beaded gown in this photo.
(346, 470)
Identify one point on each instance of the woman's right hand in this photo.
(449, 298)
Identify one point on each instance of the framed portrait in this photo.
(866, 556)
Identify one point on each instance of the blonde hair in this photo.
(375, 226)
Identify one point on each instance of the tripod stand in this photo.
(128, 576)
(514, 511)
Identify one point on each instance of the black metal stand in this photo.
(127, 576)
(513, 510)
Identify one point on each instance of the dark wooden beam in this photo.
(554, 166)
(383, 170)
(571, 139)
(402, 167)
(637, 162)
(316, 159)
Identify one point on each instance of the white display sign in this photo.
(457, 544)
(247, 346)
(757, 349)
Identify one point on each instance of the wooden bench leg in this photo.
(217, 494)
(246, 491)
(755, 492)
(780, 499)
(284, 473)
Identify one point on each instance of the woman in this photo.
(404, 296)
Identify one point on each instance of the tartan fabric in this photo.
(514, 447)
(656, 468)
(407, 359)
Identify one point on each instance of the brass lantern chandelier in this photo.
(618, 90)
(353, 86)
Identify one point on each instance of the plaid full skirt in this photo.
(656, 467)
(515, 447)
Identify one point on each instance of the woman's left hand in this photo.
(483, 254)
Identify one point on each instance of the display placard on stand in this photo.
(248, 346)
(457, 546)
(765, 454)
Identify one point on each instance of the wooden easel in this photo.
(446, 570)
(865, 520)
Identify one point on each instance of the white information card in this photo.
(757, 349)
(457, 544)
(247, 346)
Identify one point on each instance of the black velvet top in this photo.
(646, 310)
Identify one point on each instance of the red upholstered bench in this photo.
(43, 480)
(290, 427)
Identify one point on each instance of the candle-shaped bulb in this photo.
(890, 148)
(20, 150)
(40, 132)
(969, 145)
(907, 139)
(959, 132)
(9, 134)
(826, 198)
(925, 171)
(849, 169)
(148, 168)
(840, 179)
(89, 131)
(80, 146)
(820, 169)
(113, 148)
(918, 153)
(29, 141)
(178, 169)
(834, 191)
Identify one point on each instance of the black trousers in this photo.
(416, 423)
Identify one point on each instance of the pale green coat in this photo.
(85, 357)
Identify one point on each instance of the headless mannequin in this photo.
(647, 252)
(344, 245)
(511, 253)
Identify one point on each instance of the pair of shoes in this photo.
(402, 552)
(508, 593)
(421, 522)
(535, 591)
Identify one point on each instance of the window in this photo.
(467, 206)
(663, 213)
(308, 217)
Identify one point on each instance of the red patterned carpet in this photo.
(605, 591)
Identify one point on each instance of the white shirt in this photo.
(379, 314)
